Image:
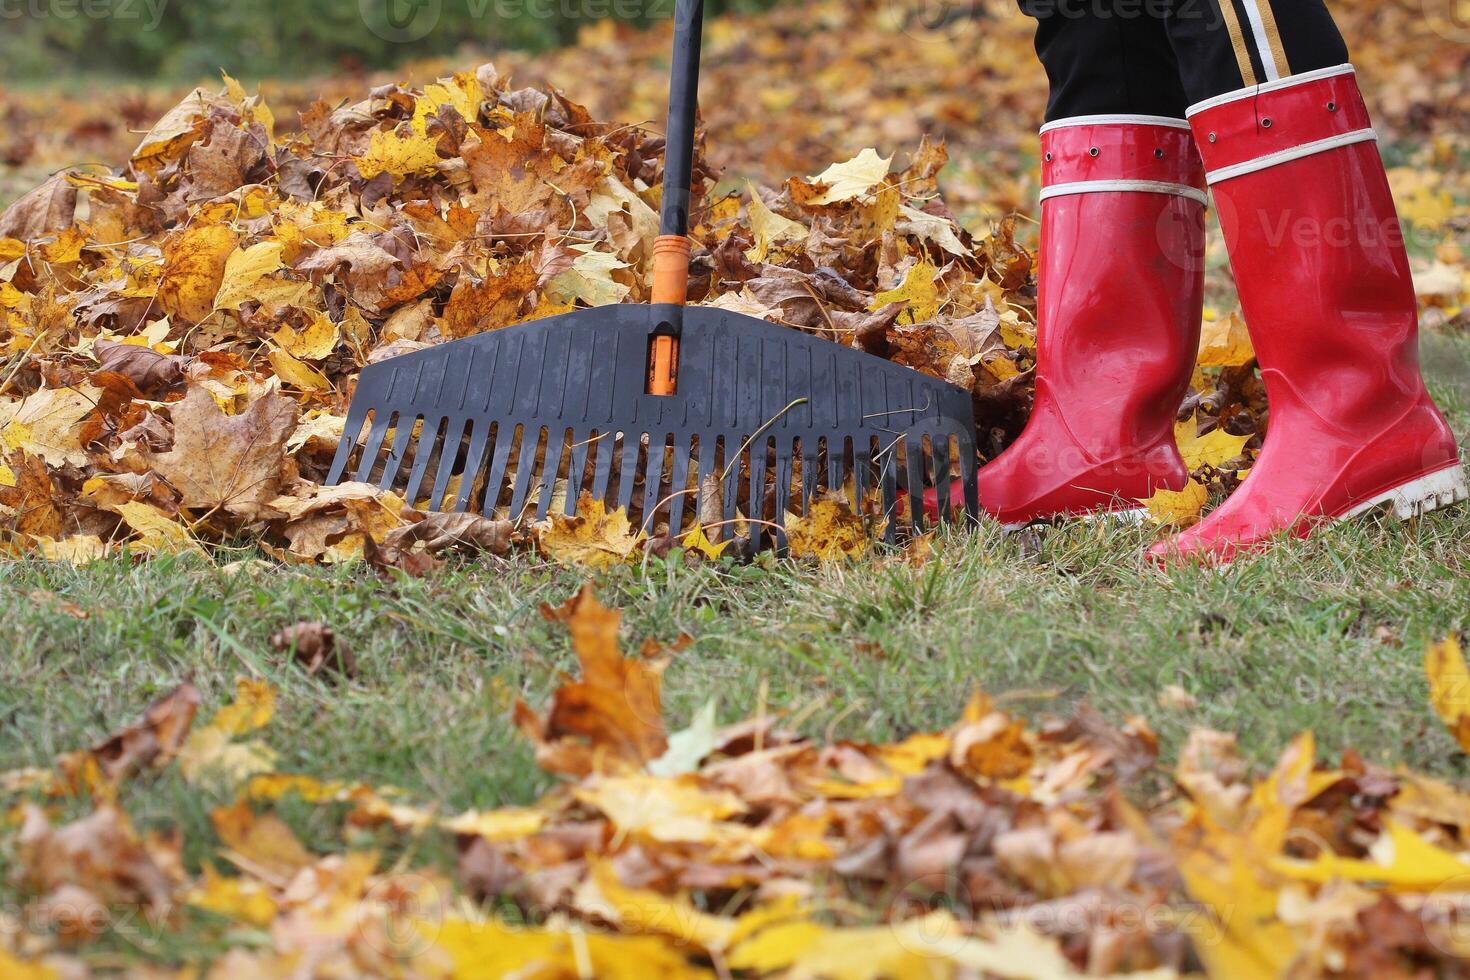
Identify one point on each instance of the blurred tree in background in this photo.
(47, 40)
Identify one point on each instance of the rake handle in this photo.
(671, 251)
(683, 108)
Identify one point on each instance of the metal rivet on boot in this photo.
(1159, 154)
(1332, 107)
(1265, 124)
(1214, 137)
(1049, 158)
(1093, 152)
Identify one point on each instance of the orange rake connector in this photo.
(670, 286)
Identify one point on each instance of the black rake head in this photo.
(518, 421)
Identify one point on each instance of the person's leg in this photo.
(1323, 277)
(1107, 57)
(1225, 45)
(1118, 313)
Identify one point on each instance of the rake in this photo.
(662, 410)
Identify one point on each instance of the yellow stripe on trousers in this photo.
(1237, 39)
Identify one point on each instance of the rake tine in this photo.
(677, 484)
(402, 441)
(498, 461)
(653, 479)
(602, 476)
(837, 467)
(525, 468)
(628, 470)
(783, 490)
(580, 447)
(914, 451)
(943, 496)
(453, 438)
(476, 456)
(890, 496)
(862, 472)
(428, 442)
(382, 425)
(549, 475)
(968, 480)
(759, 453)
(732, 480)
(811, 466)
(351, 432)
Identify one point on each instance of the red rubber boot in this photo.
(1325, 287)
(1118, 321)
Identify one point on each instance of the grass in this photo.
(1325, 635)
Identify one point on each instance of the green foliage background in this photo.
(47, 41)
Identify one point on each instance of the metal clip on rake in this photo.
(650, 408)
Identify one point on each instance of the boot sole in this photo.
(1428, 494)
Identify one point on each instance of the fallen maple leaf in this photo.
(612, 717)
(1449, 687)
(594, 538)
(223, 462)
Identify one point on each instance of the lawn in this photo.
(874, 661)
(1326, 635)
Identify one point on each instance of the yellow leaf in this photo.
(253, 708)
(593, 539)
(212, 754)
(497, 825)
(159, 534)
(241, 899)
(402, 152)
(1180, 507)
(66, 250)
(315, 343)
(297, 374)
(193, 269)
(850, 180)
(697, 540)
(1402, 861)
(79, 549)
(1215, 449)
(1449, 687)
(1226, 343)
(770, 228)
(492, 950)
(635, 910)
(919, 949)
(48, 424)
(246, 278)
(919, 292)
(590, 279)
(17, 969)
(830, 531)
(666, 810)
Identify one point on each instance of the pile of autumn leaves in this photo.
(992, 849)
(182, 336)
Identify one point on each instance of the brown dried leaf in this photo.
(223, 462)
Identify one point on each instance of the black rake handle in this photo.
(683, 108)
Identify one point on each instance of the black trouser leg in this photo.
(1106, 57)
(1225, 45)
(1156, 57)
